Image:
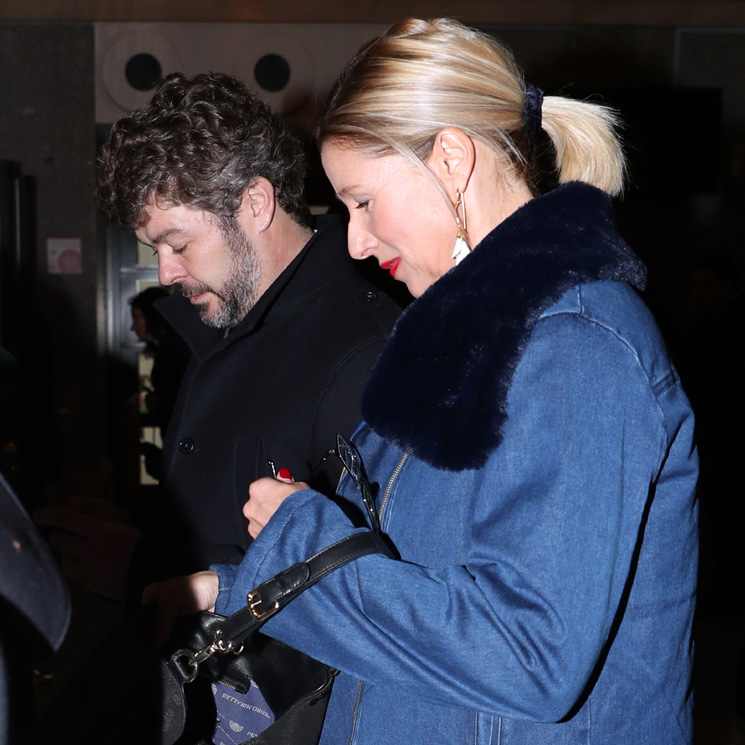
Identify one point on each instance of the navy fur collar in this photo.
(439, 389)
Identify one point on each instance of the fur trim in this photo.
(439, 389)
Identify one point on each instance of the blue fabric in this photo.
(545, 596)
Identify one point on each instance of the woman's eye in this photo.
(361, 205)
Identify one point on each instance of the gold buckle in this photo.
(253, 599)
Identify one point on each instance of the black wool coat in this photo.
(275, 390)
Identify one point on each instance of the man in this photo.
(282, 327)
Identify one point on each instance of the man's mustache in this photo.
(190, 291)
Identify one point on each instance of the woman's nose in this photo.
(360, 240)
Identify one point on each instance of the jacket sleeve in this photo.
(557, 522)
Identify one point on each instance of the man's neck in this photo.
(281, 242)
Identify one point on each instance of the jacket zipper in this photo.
(389, 485)
(383, 503)
(354, 710)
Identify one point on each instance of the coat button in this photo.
(370, 296)
(186, 445)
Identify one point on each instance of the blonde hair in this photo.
(421, 76)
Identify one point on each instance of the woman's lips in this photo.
(391, 266)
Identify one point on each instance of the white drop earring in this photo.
(461, 249)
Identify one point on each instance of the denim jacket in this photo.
(542, 505)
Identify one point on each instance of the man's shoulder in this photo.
(360, 287)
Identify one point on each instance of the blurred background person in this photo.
(170, 356)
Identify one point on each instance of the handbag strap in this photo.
(271, 596)
(274, 594)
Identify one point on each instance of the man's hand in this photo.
(181, 596)
(94, 543)
(264, 498)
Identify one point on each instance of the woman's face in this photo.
(139, 325)
(396, 214)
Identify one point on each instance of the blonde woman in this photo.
(527, 434)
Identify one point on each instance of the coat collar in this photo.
(439, 389)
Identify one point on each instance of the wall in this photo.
(46, 124)
(597, 12)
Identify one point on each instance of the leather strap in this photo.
(271, 596)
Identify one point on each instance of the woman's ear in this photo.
(452, 159)
(260, 203)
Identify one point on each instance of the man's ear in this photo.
(259, 204)
(452, 159)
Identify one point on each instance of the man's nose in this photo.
(169, 269)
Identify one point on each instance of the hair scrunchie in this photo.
(532, 110)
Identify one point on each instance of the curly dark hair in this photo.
(200, 142)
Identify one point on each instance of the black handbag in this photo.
(127, 691)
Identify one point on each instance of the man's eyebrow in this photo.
(163, 235)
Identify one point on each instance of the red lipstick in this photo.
(391, 266)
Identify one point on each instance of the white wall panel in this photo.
(315, 54)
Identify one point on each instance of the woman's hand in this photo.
(264, 498)
(180, 596)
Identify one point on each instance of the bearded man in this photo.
(282, 327)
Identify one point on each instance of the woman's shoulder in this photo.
(617, 311)
(603, 301)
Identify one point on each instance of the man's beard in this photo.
(239, 292)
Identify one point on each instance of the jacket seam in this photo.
(655, 387)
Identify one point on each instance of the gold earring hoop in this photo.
(462, 226)
(461, 249)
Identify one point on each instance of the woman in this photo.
(529, 437)
(170, 354)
